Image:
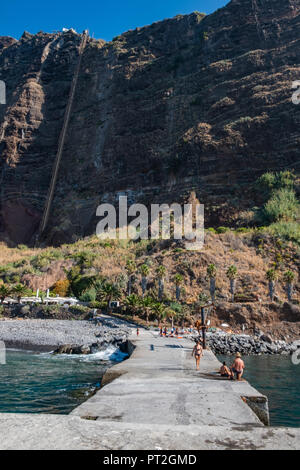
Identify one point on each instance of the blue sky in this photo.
(105, 19)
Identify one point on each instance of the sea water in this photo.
(279, 379)
(46, 383)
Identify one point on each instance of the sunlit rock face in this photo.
(195, 103)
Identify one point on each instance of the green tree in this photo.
(89, 295)
(178, 280)
(85, 260)
(82, 284)
(5, 291)
(161, 272)
(232, 275)
(147, 306)
(107, 293)
(212, 273)
(272, 276)
(289, 278)
(172, 315)
(159, 310)
(19, 291)
(179, 310)
(132, 303)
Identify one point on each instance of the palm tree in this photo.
(271, 275)
(4, 292)
(108, 292)
(212, 273)
(159, 310)
(171, 314)
(161, 271)
(232, 274)
(132, 302)
(144, 270)
(179, 311)
(147, 305)
(178, 280)
(85, 260)
(203, 299)
(289, 277)
(131, 269)
(19, 290)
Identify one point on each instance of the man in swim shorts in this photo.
(238, 366)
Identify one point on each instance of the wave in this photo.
(111, 353)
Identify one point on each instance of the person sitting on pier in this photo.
(225, 371)
(238, 366)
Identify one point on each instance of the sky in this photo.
(105, 19)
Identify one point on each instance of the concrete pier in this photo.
(159, 385)
(156, 400)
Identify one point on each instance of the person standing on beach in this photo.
(198, 353)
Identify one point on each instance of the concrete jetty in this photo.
(159, 385)
(156, 400)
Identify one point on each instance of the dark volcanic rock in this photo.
(247, 345)
(193, 102)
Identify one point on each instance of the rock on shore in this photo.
(63, 336)
(222, 343)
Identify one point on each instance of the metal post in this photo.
(203, 327)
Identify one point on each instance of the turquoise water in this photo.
(279, 379)
(43, 383)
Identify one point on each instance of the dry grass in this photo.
(221, 249)
(11, 255)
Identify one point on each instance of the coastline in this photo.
(155, 399)
(78, 336)
(89, 336)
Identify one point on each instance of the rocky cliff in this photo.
(196, 102)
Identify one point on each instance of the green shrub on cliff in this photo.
(282, 206)
(289, 231)
(89, 295)
(270, 182)
(222, 229)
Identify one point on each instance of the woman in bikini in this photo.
(198, 353)
(225, 372)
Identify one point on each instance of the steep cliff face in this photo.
(192, 103)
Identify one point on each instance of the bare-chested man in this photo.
(238, 366)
